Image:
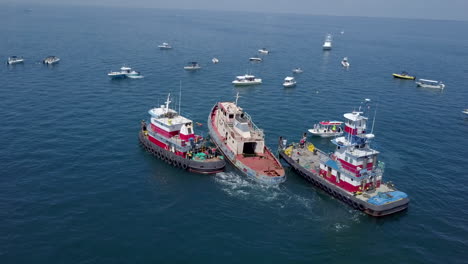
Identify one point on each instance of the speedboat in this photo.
(215, 60)
(465, 111)
(345, 62)
(264, 51)
(165, 45)
(297, 70)
(327, 129)
(289, 82)
(327, 44)
(430, 84)
(255, 59)
(51, 60)
(246, 80)
(192, 66)
(15, 60)
(404, 75)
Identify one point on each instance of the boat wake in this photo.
(241, 187)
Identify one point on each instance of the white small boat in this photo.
(51, 60)
(465, 111)
(215, 60)
(327, 45)
(327, 129)
(264, 51)
(14, 60)
(255, 59)
(192, 66)
(342, 32)
(424, 83)
(165, 45)
(289, 82)
(345, 62)
(125, 72)
(246, 80)
(297, 70)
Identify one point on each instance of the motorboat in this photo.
(403, 75)
(327, 44)
(246, 80)
(345, 62)
(165, 45)
(235, 134)
(264, 51)
(14, 60)
(289, 82)
(297, 70)
(255, 59)
(51, 60)
(465, 111)
(192, 66)
(125, 72)
(327, 129)
(424, 83)
(215, 60)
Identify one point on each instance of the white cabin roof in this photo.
(428, 81)
(354, 116)
(289, 78)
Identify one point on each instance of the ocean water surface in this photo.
(76, 187)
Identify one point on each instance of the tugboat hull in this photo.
(171, 158)
(346, 197)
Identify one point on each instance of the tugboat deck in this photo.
(261, 163)
(310, 161)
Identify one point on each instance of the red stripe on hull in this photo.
(164, 146)
(350, 130)
(345, 185)
(163, 132)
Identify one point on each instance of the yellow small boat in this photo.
(404, 75)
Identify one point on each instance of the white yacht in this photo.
(345, 62)
(215, 60)
(125, 72)
(51, 60)
(289, 82)
(192, 66)
(327, 45)
(15, 60)
(465, 111)
(165, 45)
(246, 80)
(264, 51)
(424, 83)
(297, 70)
(255, 59)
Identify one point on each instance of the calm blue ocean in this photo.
(75, 187)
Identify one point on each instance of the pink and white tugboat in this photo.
(170, 137)
(243, 143)
(351, 173)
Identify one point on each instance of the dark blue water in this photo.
(75, 186)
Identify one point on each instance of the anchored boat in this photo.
(297, 70)
(264, 51)
(403, 75)
(430, 84)
(193, 66)
(327, 44)
(351, 173)
(165, 45)
(327, 129)
(289, 82)
(125, 72)
(51, 60)
(345, 62)
(247, 79)
(243, 143)
(14, 60)
(171, 137)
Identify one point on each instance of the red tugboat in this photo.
(170, 137)
(351, 173)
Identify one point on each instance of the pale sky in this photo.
(430, 9)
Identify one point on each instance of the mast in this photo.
(237, 97)
(168, 101)
(180, 93)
